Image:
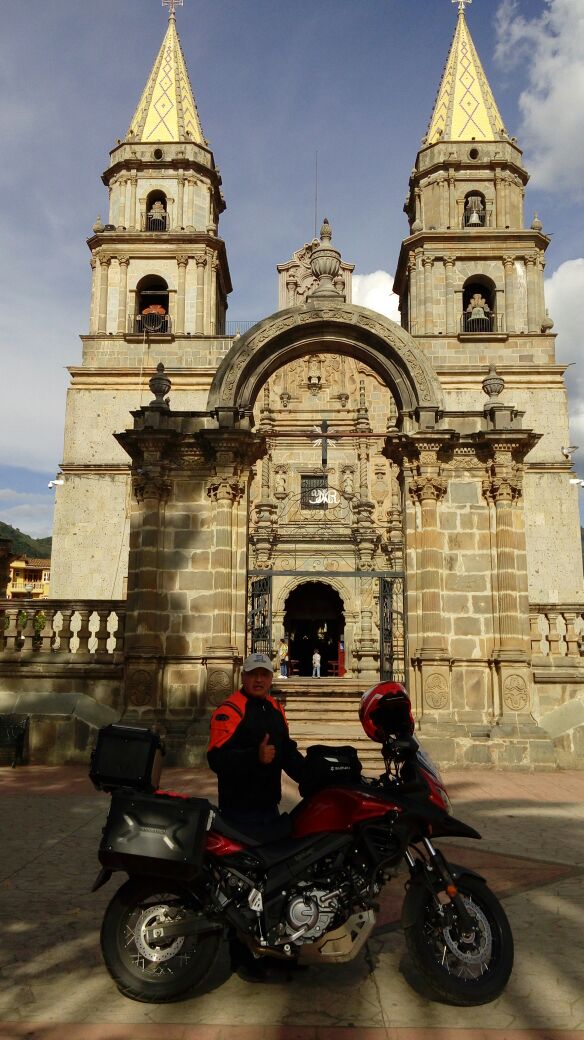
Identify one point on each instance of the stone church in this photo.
(397, 497)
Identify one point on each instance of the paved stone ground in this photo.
(53, 985)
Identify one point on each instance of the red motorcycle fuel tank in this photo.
(338, 809)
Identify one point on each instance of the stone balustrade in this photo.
(62, 627)
(557, 630)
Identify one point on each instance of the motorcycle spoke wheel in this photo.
(466, 970)
(150, 970)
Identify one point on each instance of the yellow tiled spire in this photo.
(465, 108)
(167, 110)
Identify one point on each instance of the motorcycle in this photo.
(305, 890)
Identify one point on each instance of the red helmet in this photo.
(386, 711)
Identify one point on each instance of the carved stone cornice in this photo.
(226, 489)
(233, 451)
(428, 488)
(151, 482)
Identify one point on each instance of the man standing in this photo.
(283, 655)
(249, 746)
(316, 665)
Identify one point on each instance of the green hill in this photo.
(23, 543)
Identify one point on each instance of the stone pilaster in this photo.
(449, 262)
(428, 263)
(182, 262)
(133, 193)
(510, 320)
(105, 263)
(533, 318)
(201, 262)
(124, 263)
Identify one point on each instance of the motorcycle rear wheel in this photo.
(459, 972)
(141, 970)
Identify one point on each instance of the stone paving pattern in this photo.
(53, 985)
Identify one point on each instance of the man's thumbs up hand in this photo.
(267, 751)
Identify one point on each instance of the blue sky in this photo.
(275, 82)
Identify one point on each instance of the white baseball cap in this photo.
(257, 661)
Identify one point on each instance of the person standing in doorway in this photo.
(316, 665)
(283, 656)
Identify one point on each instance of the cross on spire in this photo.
(462, 4)
(172, 4)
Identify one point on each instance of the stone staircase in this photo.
(317, 716)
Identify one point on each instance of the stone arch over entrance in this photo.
(338, 328)
(314, 619)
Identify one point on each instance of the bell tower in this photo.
(160, 281)
(470, 271)
(158, 263)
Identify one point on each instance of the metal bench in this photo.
(13, 733)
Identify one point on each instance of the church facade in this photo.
(396, 497)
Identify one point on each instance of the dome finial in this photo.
(461, 4)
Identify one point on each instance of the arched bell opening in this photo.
(152, 305)
(475, 210)
(479, 303)
(156, 211)
(314, 620)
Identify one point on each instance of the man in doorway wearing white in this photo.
(316, 665)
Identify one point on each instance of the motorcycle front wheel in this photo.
(465, 970)
(141, 968)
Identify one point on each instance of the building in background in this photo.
(29, 578)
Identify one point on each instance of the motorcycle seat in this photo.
(253, 836)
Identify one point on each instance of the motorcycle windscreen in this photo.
(155, 834)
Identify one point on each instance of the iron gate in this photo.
(260, 615)
(392, 631)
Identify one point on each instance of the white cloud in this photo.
(564, 295)
(376, 292)
(551, 47)
(29, 512)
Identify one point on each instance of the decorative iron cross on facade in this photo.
(461, 3)
(171, 4)
(324, 441)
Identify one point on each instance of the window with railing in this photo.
(479, 303)
(475, 210)
(156, 212)
(314, 492)
(152, 305)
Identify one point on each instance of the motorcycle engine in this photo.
(311, 912)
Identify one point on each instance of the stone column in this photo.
(497, 221)
(213, 296)
(540, 280)
(143, 644)
(182, 262)
(413, 316)
(428, 298)
(122, 196)
(427, 489)
(180, 200)
(93, 322)
(133, 187)
(510, 321)
(449, 280)
(513, 641)
(532, 294)
(224, 493)
(201, 262)
(105, 262)
(124, 263)
(452, 221)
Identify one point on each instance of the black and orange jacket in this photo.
(238, 727)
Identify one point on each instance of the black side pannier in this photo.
(155, 834)
(325, 766)
(126, 756)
